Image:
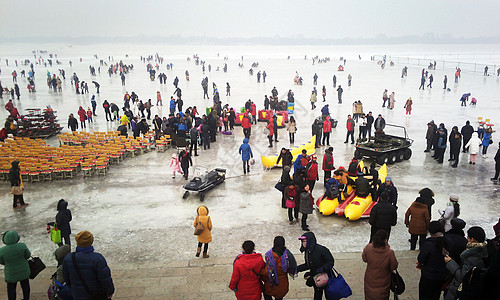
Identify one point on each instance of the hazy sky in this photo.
(253, 18)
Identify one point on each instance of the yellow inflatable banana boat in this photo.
(270, 161)
(359, 205)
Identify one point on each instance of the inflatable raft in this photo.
(361, 207)
(271, 161)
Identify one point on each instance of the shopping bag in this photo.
(337, 287)
(36, 266)
(55, 235)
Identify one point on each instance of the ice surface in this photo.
(136, 212)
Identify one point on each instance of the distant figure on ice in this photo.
(445, 81)
(422, 83)
(315, 79)
(464, 99)
(335, 80)
(228, 89)
(349, 79)
(486, 71)
(431, 79)
(340, 90)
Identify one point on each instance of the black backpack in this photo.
(472, 285)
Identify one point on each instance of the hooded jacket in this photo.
(63, 217)
(14, 257)
(328, 161)
(206, 236)
(327, 125)
(245, 150)
(245, 278)
(317, 257)
(426, 195)
(60, 253)
(380, 264)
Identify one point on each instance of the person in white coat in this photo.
(451, 211)
(473, 146)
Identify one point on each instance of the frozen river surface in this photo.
(136, 212)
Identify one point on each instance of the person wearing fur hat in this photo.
(451, 211)
(206, 236)
(433, 272)
(14, 257)
(89, 266)
(473, 257)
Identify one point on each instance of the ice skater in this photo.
(408, 105)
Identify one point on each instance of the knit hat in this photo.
(457, 223)
(454, 197)
(477, 233)
(84, 239)
(434, 227)
(388, 178)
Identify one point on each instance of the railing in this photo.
(493, 69)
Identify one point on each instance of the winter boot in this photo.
(205, 255)
(198, 251)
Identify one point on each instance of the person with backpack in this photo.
(245, 281)
(280, 263)
(473, 257)
(86, 272)
(317, 259)
(14, 257)
(205, 236)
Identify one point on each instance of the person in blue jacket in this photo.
(86, 272)
(246, 153)
(297, 165)
(172, 105)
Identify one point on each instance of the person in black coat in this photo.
(72, 122)
(369, 123)
(318, 259)
(285, 180)
(286, 157)
(455, 239)
(383, 216)
(15, 180)
(212, 123)
(455, 140)
(141, 127)
(63, 218)
(186, 161)
(388, 186)
(193, 144)
(426, 195)
(467, 132)
(231, 118)
(299, 178)
(433, 272)
(205, 135)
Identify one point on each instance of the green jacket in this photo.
(14, 256)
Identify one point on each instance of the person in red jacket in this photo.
(328, 163)
(270, 127)
(327, 128)
(83, 116)
(254, 113)
(312, 172)
(15, 113)
(350, 129)
(245, 280)
(9, 106)
(247, 125)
